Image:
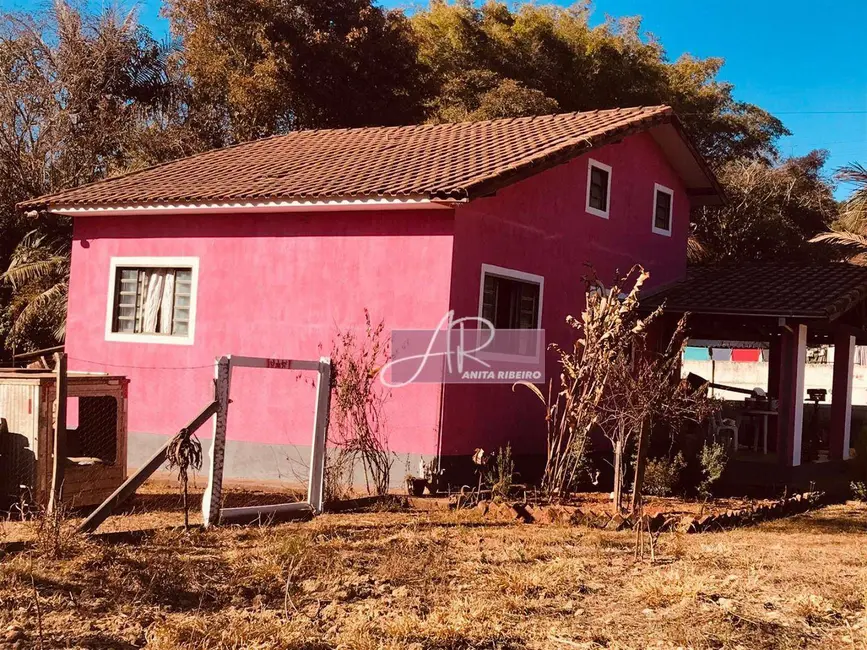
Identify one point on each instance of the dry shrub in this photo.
(560, 578)
(233, 630)
(669, 587)
(814, 609)
(55, 535)
(456, 623)
(614, 380)
(662, 475)
(357, 427)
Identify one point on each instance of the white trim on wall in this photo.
(152, 262)
(661, 231)
(595, 211)
(312, 205)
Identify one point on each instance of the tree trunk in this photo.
(640, 463)
(618, 476)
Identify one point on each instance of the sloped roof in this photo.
(435, 162)
(816, 291)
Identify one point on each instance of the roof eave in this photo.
(253, 206)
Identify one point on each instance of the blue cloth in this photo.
(695, 354)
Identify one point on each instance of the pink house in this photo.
(268, 247)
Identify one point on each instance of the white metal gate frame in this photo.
(212, 512)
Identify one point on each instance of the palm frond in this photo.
(696, 251)
(23, 273)
(50, 305)
(853, 173)
(841, 244)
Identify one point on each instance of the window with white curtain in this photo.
(153, 300)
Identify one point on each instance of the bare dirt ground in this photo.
(444, 580)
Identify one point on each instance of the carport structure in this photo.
(786, 307)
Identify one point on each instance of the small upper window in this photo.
(663, 201)
(152, 300)
(598, 188)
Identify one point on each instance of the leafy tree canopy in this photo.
(83, 96)
(772, 212)
(259, 67)
(492, 61)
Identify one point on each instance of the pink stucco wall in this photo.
(540, 226)
(273, 285)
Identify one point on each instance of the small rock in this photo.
(400, 592)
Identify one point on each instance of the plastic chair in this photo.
(721, 425)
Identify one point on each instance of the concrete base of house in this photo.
(254, 461)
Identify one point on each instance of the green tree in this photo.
(491, 61)
(260, 67)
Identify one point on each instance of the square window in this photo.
(510, 304)
(152, 300)
(598, 189)
(663, 202)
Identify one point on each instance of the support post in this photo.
(213, 496)
(59, 453)
(774, 369)
(841, 396)
(316, 485)
(793, 357)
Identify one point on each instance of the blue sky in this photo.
(803, 61)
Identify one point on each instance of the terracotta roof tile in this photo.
(778, 290)
(446, 161)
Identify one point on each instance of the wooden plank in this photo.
(59, 457)
(316, 480)
(135, 481)
(274, 364)
(37, 353)
(266, 514)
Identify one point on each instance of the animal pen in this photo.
(95, 438)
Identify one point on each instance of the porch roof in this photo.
(809, 292)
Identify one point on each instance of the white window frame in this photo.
(521, 276)
(191, 263)
(591, 210)
(661, 231)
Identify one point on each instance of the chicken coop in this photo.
(96, 437)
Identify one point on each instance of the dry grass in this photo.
(447, 580)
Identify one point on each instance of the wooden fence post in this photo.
(316, 482)
(212, 499)
(59, 454)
